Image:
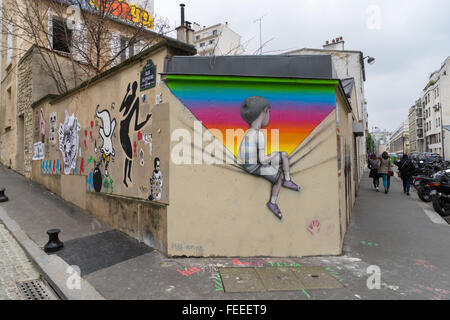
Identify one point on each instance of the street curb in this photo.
(53, 268)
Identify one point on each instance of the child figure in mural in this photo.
(156, 182)
(252, 151)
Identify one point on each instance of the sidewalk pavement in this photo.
(390, 231)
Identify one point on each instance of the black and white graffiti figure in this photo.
(130, 107)
(52, 130)
(106, 132)
(69, 141)
(156, 182)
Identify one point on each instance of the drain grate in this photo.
(34, 290)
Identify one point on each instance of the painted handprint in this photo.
(314, 227)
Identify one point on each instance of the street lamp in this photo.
(370, 60)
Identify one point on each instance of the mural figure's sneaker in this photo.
(291, 185)
(275, 210)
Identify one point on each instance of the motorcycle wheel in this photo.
(424, 193)
(441, 206)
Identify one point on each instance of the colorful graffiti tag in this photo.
(124, 10)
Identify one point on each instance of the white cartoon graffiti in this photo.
(106, 132)
(69, 141)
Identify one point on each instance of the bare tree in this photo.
(89, 36)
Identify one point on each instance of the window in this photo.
(126, 49)
(202, 44)
(61, 36)
(214, 32)
(197, 38)
(212, 41)
(10, 43)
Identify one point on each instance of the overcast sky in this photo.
(410, 39)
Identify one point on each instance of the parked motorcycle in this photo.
(440, 193)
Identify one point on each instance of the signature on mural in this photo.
(69, 141)
(252, 152)
(130, 108)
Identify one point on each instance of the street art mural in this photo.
(297, 105)
(289, 108)
(52, 128)
(69, 142)
(156, 182)
(106, 132)
(130, 109)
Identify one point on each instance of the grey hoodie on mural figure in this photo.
(385, 165)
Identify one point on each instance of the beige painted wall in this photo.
(221, 211)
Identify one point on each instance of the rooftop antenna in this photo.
(260, 32)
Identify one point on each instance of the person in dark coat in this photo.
(374, 163)
(406, 168)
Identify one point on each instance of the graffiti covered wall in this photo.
(113, 135)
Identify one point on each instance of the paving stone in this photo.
(241, 280)
(279, 279)
(316, 278)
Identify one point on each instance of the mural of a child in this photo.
(252, 151)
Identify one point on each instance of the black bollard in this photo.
(3, 198)
(53, 244)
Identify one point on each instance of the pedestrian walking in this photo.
(385, 169)
(374, 164)
(406, 171)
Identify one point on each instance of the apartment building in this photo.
(436, 109)
(416, 130)
(217, 40)
(399, 139)
(348, 64)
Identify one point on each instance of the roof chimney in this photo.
(184, 32)
(182, 5)
(335, 44)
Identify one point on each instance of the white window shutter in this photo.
(114, 46)
(80, 42)
(50, 27)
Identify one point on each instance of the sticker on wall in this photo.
(130, 109)
(141, 158)
(52, 128)
(148, 141)
(106, 132)
(69, 142)
(38, 151)
(156, 182)
(42, 122)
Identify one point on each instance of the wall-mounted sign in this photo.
(148, 76)
(126, 11)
